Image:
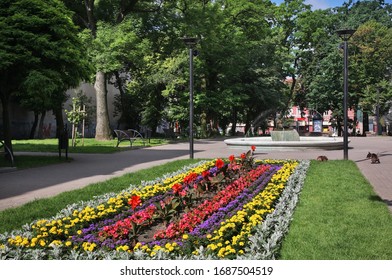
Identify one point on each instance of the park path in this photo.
(21, 186)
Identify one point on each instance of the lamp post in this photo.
(378, 113)
(191, 43)
(345, 35)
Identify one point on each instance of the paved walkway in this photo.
(19, 187)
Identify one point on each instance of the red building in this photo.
(308, 122)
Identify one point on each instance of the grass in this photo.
(338, 217)
(90, 145)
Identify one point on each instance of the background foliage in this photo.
(254, 59)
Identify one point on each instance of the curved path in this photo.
(21, 186)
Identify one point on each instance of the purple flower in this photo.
(90, 233)
(235, 205)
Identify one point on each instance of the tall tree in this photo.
(321, 69)
(37, 98)
(235, 64)
(56, 53)
(371, 73)
(292, 34)
(113, 12)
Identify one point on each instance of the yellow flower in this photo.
(25, 242)
(124, 248)
(87, 246)
(252, 213)
(137, 246)
(56, 242)
(221, 252)
(53, 230)
(185, 236)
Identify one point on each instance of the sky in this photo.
(324, 4)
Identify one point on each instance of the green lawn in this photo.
(338, 217)
(89, 145)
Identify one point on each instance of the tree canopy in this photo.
(41, 55)
(253, 58)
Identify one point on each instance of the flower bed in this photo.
(234, 208)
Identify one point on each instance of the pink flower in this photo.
(182, 193)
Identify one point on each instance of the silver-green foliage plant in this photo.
(264, 244)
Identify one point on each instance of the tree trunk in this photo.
(58, 112)
(365, 122)
(234, 124)
(41, 126)
(124, 107)
(92, 23)
(340, 129)
(34, 127)
(102, 130)
(6, 126)
(354, 133)
(248, 126)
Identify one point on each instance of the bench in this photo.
(169, 133)
(130, 135)
(7, 152)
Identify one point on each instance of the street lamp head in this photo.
(190, 41)
(345, 34)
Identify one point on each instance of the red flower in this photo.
(177, 188)
(219, 163)
(205, 173)
(243, 156)
(134, 201)
(191, 177)
(232, 158)
(191, 219)
(253, 148)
